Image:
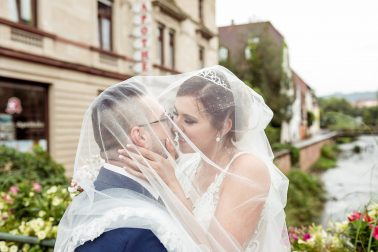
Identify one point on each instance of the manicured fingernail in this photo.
(121, 157)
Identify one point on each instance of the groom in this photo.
(125, 104)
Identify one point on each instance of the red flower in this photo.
(375, 233)
(354, 216)
(367, 218)
(37, 187)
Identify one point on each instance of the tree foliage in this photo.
(266, 73)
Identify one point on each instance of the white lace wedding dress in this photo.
(205, 205)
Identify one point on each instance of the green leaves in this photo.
(306, 197)
(16, 167)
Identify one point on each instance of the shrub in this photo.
(294, 155)
(343, 140)
(280, 146)
(327, 159)
(330, 151)
(273, 134)
(323, 164)
(305, 200)
(16, 167)
(357, 149)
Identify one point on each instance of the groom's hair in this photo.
(114, 113)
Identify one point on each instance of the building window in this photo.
(172, 49)
(247, 52)
(223, 53)
(201, 54)
(104, 8)
(200, 10)
(160, 49)
(23, 11)
(23, 115)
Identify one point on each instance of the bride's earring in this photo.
(217, 139)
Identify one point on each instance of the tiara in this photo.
(212, 76)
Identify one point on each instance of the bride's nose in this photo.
(178, 124)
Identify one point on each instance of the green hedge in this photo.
(305, 200)
(16, 167)
(33, 197)
(327, 159)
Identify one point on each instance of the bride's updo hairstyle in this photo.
(212, 89)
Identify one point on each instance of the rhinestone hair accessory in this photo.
(212, 76)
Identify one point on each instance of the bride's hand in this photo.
(135, 156)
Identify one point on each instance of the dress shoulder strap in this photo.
(215, 186)
(233, 159)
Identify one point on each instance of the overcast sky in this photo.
(333, 44)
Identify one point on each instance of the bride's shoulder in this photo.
(249, 166)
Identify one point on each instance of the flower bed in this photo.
(32, 210)
(358, 233)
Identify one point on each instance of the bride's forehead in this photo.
(188, 104)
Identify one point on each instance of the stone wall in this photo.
(309, 152)
(283, 161)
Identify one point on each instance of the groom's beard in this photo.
(158, 146)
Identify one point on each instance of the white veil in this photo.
(234, 196)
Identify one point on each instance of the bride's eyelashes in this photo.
(189, 121)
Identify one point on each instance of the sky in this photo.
(333, 44)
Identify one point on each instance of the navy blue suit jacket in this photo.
(122, 239)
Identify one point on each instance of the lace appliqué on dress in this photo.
(160, 225)
(204, 208)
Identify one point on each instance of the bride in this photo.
(223, 181)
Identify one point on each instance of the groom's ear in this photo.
(136, 135)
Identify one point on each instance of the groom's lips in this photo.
(181, 140)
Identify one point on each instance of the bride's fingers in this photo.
(170, 148)
(124, 152)
(140, 159)
(143, 151)
(129, 162)
(135, 173)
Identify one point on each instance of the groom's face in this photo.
(157, 130)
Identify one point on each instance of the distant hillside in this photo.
(356, 96)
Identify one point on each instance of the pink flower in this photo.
(8, 199)
(354, 216)
(306, 236)
(294, 237)
(37, 187)
(375, 233)
(14, 190)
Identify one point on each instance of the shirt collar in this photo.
(142, 182)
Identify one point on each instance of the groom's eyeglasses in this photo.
(165, 119)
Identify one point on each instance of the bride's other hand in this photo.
(134, 156)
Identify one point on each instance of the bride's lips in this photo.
(181, 139)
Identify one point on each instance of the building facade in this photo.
(57, 56)
(235, 42)
(308, 111)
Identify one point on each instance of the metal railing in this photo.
(26, 239)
